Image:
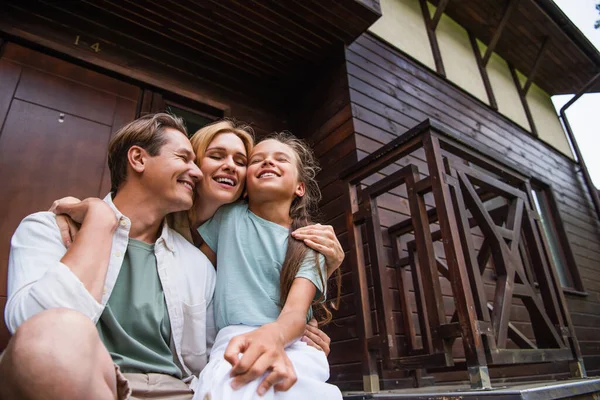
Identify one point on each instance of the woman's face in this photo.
(224, 168)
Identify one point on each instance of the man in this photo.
(66, 307)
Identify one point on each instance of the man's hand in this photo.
(263, 351)
(322, 238)
(316, 338)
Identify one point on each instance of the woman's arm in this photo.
(211, 255)
(316, 338)
(264, 349)
(67, 227)
(322, 239)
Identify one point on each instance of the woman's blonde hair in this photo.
(203, 136)
(200, 140)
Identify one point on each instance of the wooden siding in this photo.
(389, 94)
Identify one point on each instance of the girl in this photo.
(264, 278)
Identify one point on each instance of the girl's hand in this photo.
(263, 351)
(316, 338)
(322, 239)
(68, 228)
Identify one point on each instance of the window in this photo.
(557, 240)
(194, 120)
(194, 114)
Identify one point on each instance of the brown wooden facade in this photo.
(71, 73)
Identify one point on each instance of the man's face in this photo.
(172, 175)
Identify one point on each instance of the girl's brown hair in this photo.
(302, 212)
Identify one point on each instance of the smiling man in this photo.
(128, 306)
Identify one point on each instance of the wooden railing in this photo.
(468, 212)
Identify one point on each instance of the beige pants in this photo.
(151, 386)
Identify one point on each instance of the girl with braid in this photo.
(266, 280)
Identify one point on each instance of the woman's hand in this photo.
(68, 228)
(316, 338)
(322, 238)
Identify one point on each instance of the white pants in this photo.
(310, 364)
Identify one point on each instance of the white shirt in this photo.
(38, 281)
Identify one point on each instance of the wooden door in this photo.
(56, 120)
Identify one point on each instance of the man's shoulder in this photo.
(36, 228)
(39, 220)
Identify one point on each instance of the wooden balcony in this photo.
(465, 229)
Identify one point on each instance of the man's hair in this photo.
(145, 132)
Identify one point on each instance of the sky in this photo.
(583, 114)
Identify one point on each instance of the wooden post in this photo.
(474, 351)
(361, 294)
(483, 71)
(523, 98)
(435, 48)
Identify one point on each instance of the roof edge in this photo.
(570, 29)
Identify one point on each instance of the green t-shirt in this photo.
(135, 326)
(250, 252)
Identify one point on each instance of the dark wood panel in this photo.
(50, 91)
(66, 70)
(62, 158)
(9, 78)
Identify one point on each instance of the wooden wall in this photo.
(390, 93)
(323, 116)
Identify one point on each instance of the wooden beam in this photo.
(536, 65)
(435, 47)
(438, 13)
(523, 98)
(483, 71)
(512, 6)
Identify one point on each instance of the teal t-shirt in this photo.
(135, 325)
(250, 252)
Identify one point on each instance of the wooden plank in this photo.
(511, 7)
(483, 72)
(438, 13)
(523, 98)
(536, 65)
(435, 47)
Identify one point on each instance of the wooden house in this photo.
(469, 219)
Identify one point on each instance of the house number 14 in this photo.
(95, 46)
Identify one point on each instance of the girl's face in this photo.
(224, 168)
(273, 172)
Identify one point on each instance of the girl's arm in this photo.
(322, 239)
(263, 349)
